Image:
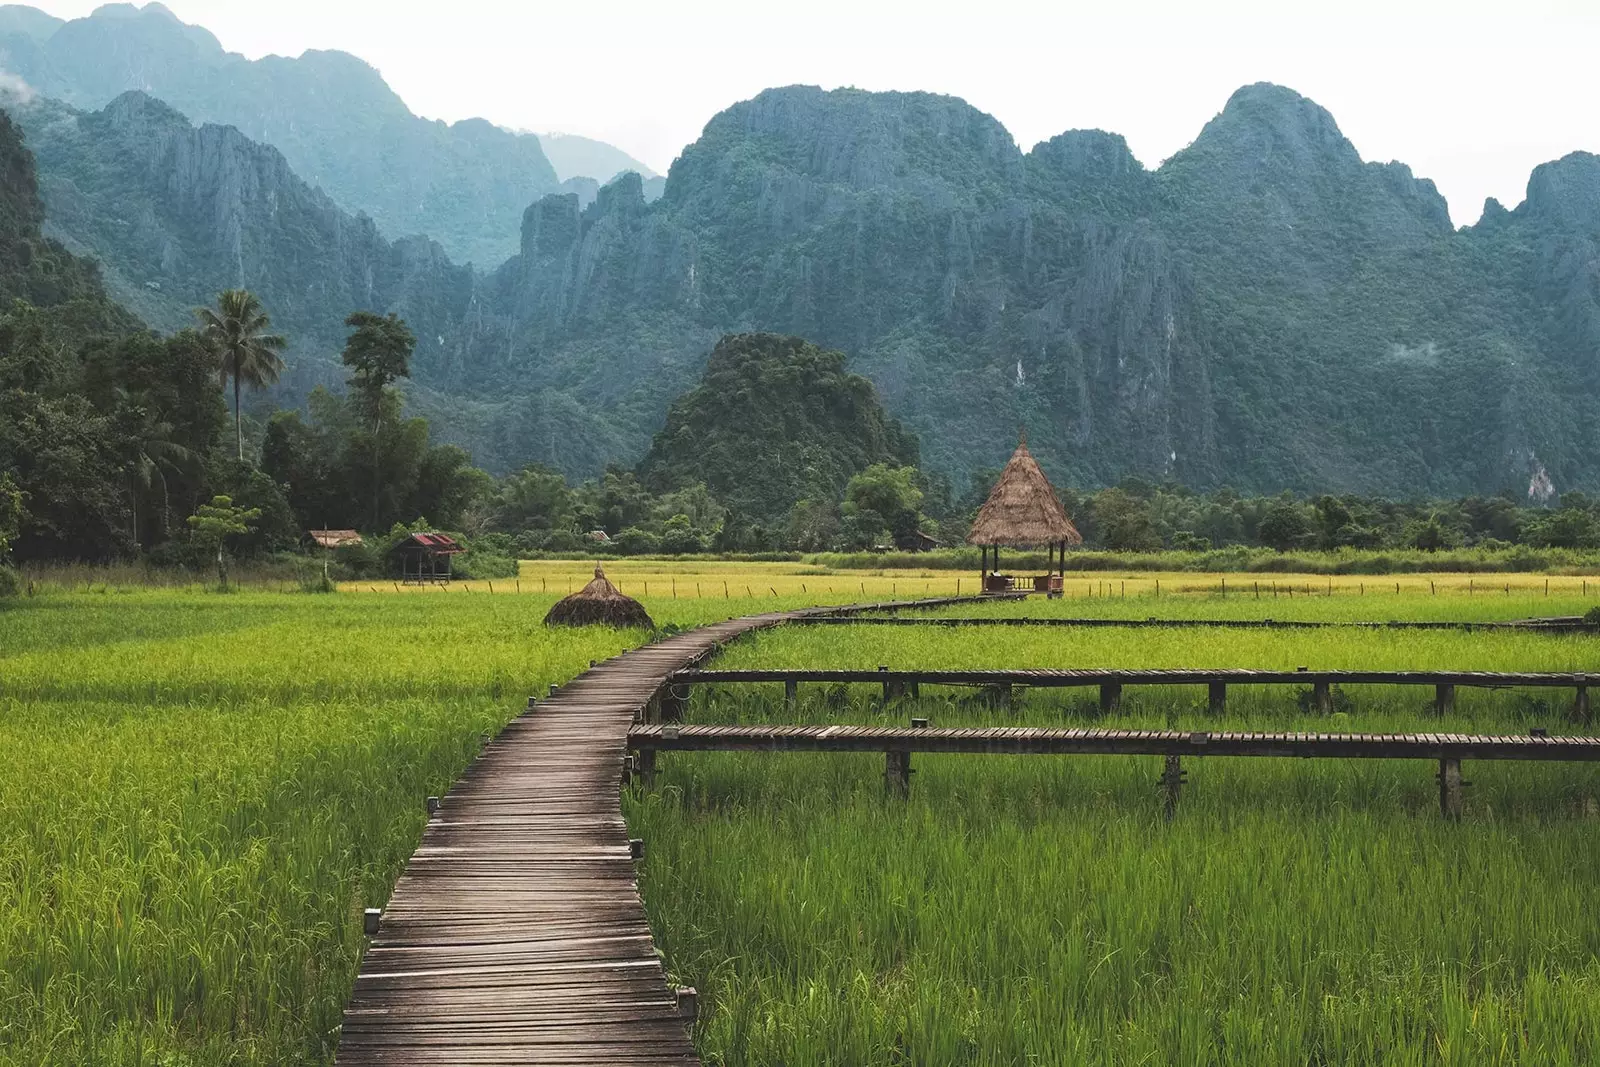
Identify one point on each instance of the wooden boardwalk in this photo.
(1036, 740)
(898, 743)
(516, 934)
(1112, 681)
(1573, 625)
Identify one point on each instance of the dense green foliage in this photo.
(774, 420)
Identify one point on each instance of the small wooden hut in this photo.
(599, 604)
(1023, 511)
(425, 557)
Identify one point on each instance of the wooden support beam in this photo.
(688, 1003)
(1171, 784)
(1444, 699)
(1322, 697)
(897, 772)
(791, 694)
(369, 921)
(1450, 784)
(1110, 697)
(1580, 705)
(1218, 694)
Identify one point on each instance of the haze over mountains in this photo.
(1265, 309)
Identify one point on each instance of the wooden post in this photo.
(893, 688)
(897, 772)
(1450, 788)
(1444, 699)
(1171, 784)
(636, 848)
(1580, 705)
(1322, 696)
(1219, 697)
(369, 921)
(688, 1002)
(1110, 697)
(644, 767)
(433, 806)
(791, 694)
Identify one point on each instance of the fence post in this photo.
(1218, 697)
(1580, 704)
(897, 772)
(1444, 699)
(1110, 697)
(791, 694)
(1171, 784)
(1450, 788)
(1322, 696)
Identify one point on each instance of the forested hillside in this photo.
(1265, 310)
(332, 116)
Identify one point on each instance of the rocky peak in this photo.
(550, 226)
(1266, 127)
(29, 22)
(1279, 156)
(139, 110)
(1089, 169)
(1565, 193)
(862, 139)
(622, 195)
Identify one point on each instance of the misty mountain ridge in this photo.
(334, 118)
(1265, 309)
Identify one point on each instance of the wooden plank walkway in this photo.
(1052, 677)
(1025, 740)
(1575, 625)
(898, 743)
(516, 934)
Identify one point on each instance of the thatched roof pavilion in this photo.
(599, 604)
(1022, 510)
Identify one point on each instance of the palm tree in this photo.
(150, 454)
(236, 329)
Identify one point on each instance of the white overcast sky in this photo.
(1472, 94)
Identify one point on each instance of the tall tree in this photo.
(237, 330)
(378, 353)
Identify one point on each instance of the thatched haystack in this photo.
(599, 604)
(1023, 509)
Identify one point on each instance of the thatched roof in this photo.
(1022, 509)
(334, 538)
(599, 604)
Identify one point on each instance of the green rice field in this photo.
(200, 793)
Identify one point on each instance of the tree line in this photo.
(117, 447)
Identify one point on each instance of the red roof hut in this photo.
(425, 557)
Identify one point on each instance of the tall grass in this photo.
(201, 792)
(1040, 910)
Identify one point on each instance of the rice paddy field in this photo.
(200, 792)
